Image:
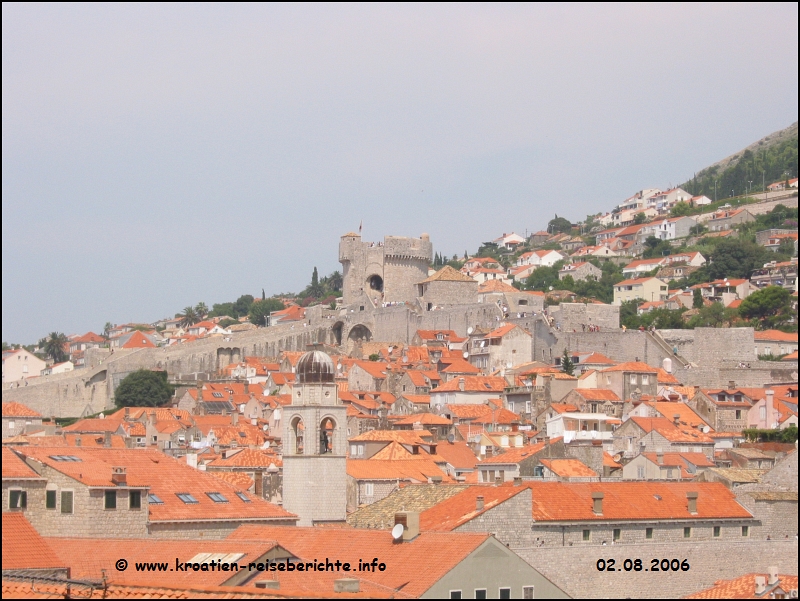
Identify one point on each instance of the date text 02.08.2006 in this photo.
(637, 565)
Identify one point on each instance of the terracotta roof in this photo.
(418, 470)
(744, 587)
(247, 458)
(416, 565)
(468, 411)
(514, 455)
(569, 468)
(23, 548)
(636, 366)
(15, 468)
(666, 428)
(666, 378)
(633, 501)
(164, 476)
(418, 399)
(597, 358)
(138, 340)
(18, 410)
(426, 419)
(401, 436)
(495, 286)
(458, 454)
(500, 416)
(460, 366)
(474, 384)
(687, 415)
(681, 459)
(447, 274)
(461, 508)
(597, 394)
(776, 335)
(608, 461)
(634, 282)
(393, 451)
(376, 369)
(94, 425)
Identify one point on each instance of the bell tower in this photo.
(315, 444)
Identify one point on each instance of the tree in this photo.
(374, 357)
(188, 317)
(242, 305)
(736, 259)
(143, 388)
(559, 225)
(680, 209)
(629, 313)
(335, 281)
(766, 303)
(698, 229)
(713, 316)
(260, 310)
(107, 328)
(201, 309)
(54, 347)
(697, 299)
(315, 289)
(639, 219)
(542, 278)
(567, 366)
(227, 322)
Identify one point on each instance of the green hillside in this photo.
(770, 159)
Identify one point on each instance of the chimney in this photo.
(676, 419)
(272, 584)
(731, 385)
(258, 477)
(119, 476)
(410, 521)
(769, 396)
(461, 384)
(234, 417)
(346, 585)
(435, 479)
(760, 585)
(597, 503)
(151, 417)
(78, 441)
(479, 504)
(247, 387)
(691, 497)
(773, 575)
(498, 481)
(660, 457)
(200, 393)
(517, 480)
(191, 460)
(107, 440)
(127, 412)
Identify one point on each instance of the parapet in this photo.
(402, 247)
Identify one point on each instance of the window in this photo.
(50, 499)
(455, 594)
(745, 530)
(762, 412)
(645, 380)
(11, 425)
(154, 499)
(687, 532)
(480, 593)
(243, 497)
(648, 533)
(633, 378)
(640, 472)
(505, 593)
(17, 499)
(64, 458)
(617, 534)
(587, 535)
(669, 473)
(738, 414)
(216, 497)
(527, 592)
(717, 531)
(110, 499)
(66, 501)
(369, 489)
(186, 498)
(135, 499)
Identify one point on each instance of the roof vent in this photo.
(410, 522)
(273, 584)
(597, 503)
(119, 476)
(346, 585)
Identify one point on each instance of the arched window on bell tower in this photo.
(327, 429)
(296, 432)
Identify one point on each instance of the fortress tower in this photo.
(315, 444)
(384, 271)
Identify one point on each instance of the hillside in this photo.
(766, 160)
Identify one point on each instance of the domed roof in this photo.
(315, 366)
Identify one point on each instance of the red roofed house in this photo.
(775, 342)
(19, 364)
(580, 271)
(598, 400)
(653, 434)
(18, 418)
(630, 380)
(503, 347)
(752, 586)
(24, 550)
(468, 390)
(666, 466)
(648, 289)
(367, 375)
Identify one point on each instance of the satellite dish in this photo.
(397, 531)
(465, 354)
(451, 438)
(470, 330)
(509, 364)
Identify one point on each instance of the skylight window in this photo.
(216, 497)
(243, 497)
(216, 395)
(64, 458)
(186, 498)
(154, 499)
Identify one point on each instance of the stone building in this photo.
(385, 272)
(19, 419)
(315, 444)
(447, 287)
(501, 348)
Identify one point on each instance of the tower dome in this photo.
(315, 366)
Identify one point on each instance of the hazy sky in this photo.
(155, 156)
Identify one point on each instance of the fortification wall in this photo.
(574, 569)
(574, 316)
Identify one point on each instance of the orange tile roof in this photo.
(458, 454)
(598, 358)
(597, 394)
(568, 468)
(15, 468)
(94, 425)
(447, 274)
(460, 366)
(636, 366)
(418, 399)
(514, 455)
(777, 335)
(608, 461)
(247, 458)
(23, 548)
(502, 331)
(164, 476)
(138, 340)
(401, 436)
(500, 416)
(495, 286)
(666, 378)
(468, 411)
(680, 459)
(666, 428)
(633, 501)
(18, 410)
(376, 369)
(744, 587)
(416, 470)
(417, 378)
(416, 565)
(634, 282)
(474, 384)
(449, 335)
(393, 451)
(426, 419)
(462, 507)
(687, 415)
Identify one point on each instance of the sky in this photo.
(156, 156)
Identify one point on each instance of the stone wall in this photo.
(504, 521)
(574, 569)
(450, 293)
(205, 530)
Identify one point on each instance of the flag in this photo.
(360, 225)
